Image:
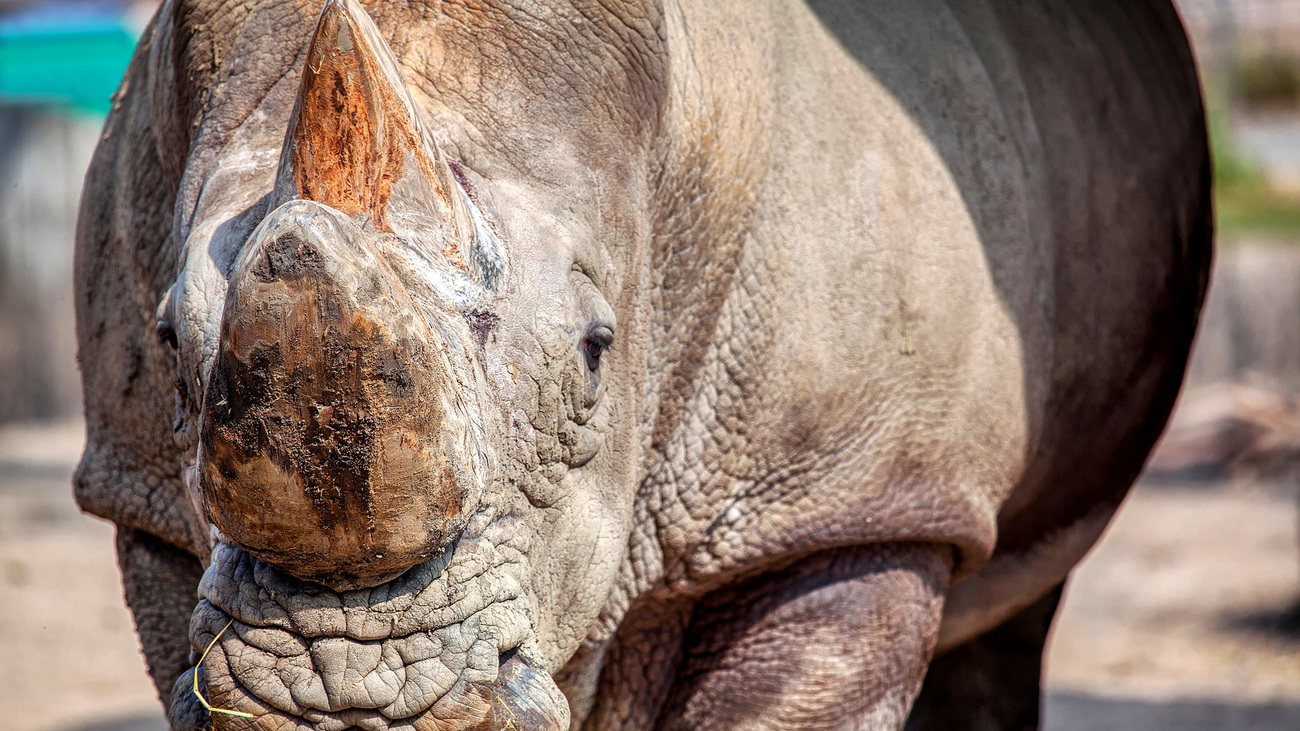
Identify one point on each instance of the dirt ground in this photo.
(1179, 619)
(1182, 617)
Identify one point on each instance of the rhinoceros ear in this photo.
(356, 143)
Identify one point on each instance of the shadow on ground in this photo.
(1269, 623)
(147, 722)
(1081, 712)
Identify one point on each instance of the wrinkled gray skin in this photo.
(902, 294)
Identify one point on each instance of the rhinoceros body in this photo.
(655, 364)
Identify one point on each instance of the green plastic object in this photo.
(74, 66)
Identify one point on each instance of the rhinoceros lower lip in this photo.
(426, 643)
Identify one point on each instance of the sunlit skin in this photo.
(653, 364)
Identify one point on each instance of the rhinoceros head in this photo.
(416, 488)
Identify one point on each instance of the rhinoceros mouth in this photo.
(421, 651)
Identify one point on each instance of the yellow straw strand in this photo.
(198, 667)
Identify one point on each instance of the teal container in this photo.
(75, 64)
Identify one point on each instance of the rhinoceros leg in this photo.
(161, 586)
(992, 682)
(838, 641)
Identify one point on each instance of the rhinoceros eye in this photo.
(595, 345)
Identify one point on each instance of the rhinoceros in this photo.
(675, 364)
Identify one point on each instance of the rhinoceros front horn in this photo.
(335, 440)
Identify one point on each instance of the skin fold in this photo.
(485, 364)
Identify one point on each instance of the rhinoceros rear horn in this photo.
(356, 142)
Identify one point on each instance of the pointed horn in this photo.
(355, 142)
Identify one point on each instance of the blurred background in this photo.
(1184, 617)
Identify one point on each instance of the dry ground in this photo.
(68, 653)
(1175, 622)
(1181, 617)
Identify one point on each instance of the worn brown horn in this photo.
(355, 142)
